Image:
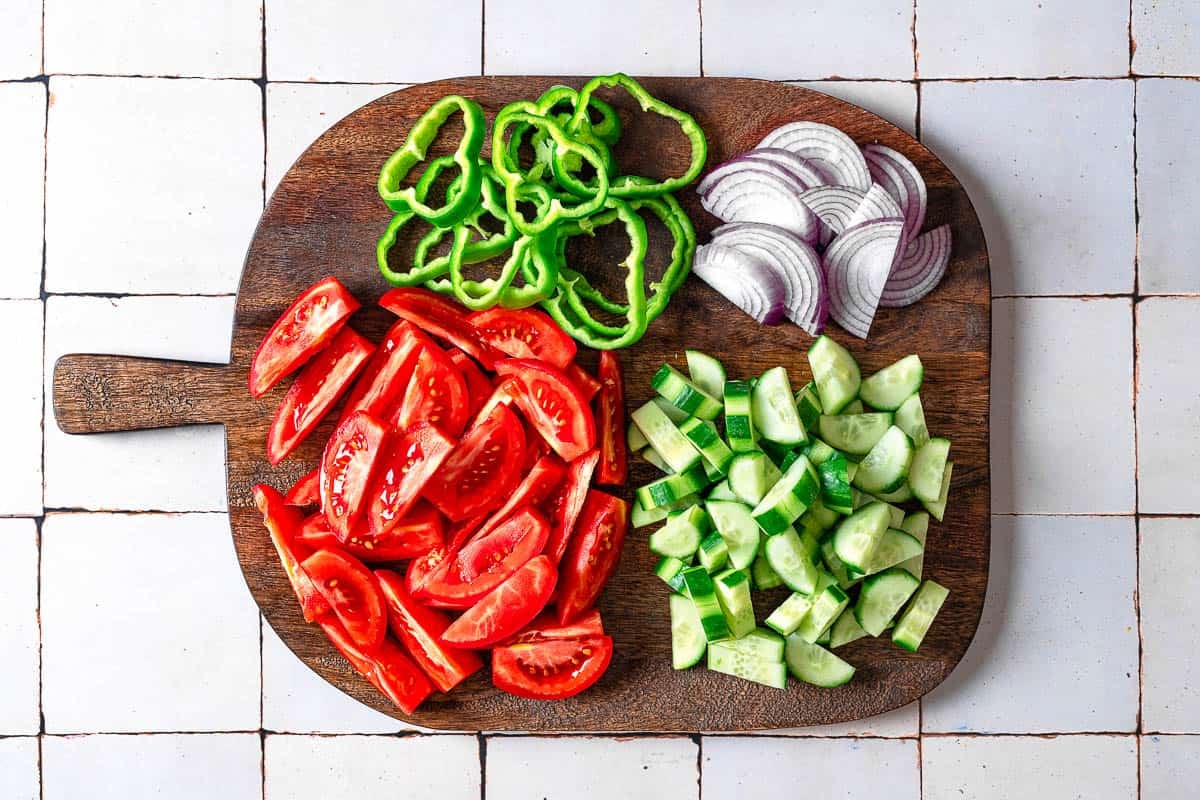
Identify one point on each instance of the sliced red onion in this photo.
(876, 204)
(904, 182)
(920, 270)
(831, 152)
(857, 265)
(743, 280)
(833, 205)
(804, 171)
(796, 261)
(751, 192)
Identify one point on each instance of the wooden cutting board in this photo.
(325, 218)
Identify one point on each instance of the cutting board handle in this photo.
(102, 394)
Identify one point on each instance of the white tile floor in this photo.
(136, 163)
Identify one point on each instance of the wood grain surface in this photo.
(325, 218)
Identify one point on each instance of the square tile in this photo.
(19, 628)
(174, 469)
(126, 37)
(19, 769)
(568, 767)
(1170, 595)
(1045, 618)
(21, 407)
(20, 38)
(155, 607)
(761, 769)
(894, 101)
(1170, 767)
(575, 40)
(360, 767)
(788, 41)
(298, 113)
(1168, 405)
(1049, 168)
(178, 166)
(1168, 185)
(982, 768)
(369, 42)
(298, 700)
(1166, 35)
(22, 163)
(1022, 38)
(175, 766)
(1058, 398)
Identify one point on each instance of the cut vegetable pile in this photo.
(818, 227)
(568, 187)
(803, 490)
(467, 448)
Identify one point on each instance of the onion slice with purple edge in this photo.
(920, 270)
(753, 192)
(831, 152)
(799, 265)
(914, 198)
(743, 280)
(876, 204)
(857, 266)
(803, 171)
(833, 205)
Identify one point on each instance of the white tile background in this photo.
(135, 162)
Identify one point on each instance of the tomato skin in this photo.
(583, 380)
(347, 468)
(592, 557)
(389, 669)
(353, 593)
(482, 469)
(547, 627)
(610, 422)
(542, 479)
(441, 317)
(418, 533)
(479, 388)
(554, 405)
(420, 629)
(408, 463)
(381, 386)
(309, 323)
(437, 394)
(314, 392)
(552, 669)
(507, 608)
(564, 506)
(307, 490)
(524, 333)
(283, 523)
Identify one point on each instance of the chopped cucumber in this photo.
(835, 566)
(738, 530)
(845, 629)
(733, 592)
(671, 571)
(774, 408)
(822, 516)
(862, 498)
(895, 547)
(706, 372)
(704, 596)
(910, 418)
(759, 643)
(916, 525)
(937, 509)
(739, 423)
(778, 453)
(814, 664)
(655, 460)
(764, 577)
(704, 437)
(824, 638)
(855, 434)
(835, 484)
(891, 386)
(751, 475)
(885, 468)
(676, 415)
(901, 495)
(713, 553)
(928, 468)
(819, 452)
(640, 517)
(677, 389)
(855, 406)
(722, 492)
(835, 373)
(788, 615)
(808, 405)
(681, 536)
(915, 621)
(731, 662)
(881, 598)
(826, 606)
(858, 535)
(793, 557)
(665, 438)
(687, 633)
(790, 497)
(634, 438)
(668, 490)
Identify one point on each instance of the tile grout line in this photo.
(41, 771)
(699, 740)
(482, 766)
(483, 37)
(700, 17)
(915, 48)
(262, 737)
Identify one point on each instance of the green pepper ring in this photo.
(608, 130)
(530, 256)
(489, 245)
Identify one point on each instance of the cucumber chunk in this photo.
(910, 418)
(732, 662)
(671, 571)
(814, 664)
(655, 460)
(722, 492)
(937, 509)
(855, 406)
(858, 535)
(665, 438)
(835, 373)
(681, 536)
(885, 468)
(891, 386)
(808, 406)
(774, 408)
(895, 547)
(751, 475)
(704, 597)
(634, 438)
(845, 630)
(793, 557)
(928, 468)
(788, 615)
(640, 517)
(738, 530)
(733, 592)
(704, 437)
(739, 421)
(916, 525)
(706, 372)
(862, 498)
(915, 621)
(881, 598)
(835, 565)
(826, 606)
(792, 494)
(713, 553)
(687, 633)
(901, 495)
(855, 434)
(673, 386)
(759, 643)
(835, 483)
(668, 490)
(760, 571)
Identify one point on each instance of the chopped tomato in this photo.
(564, 506)
(552, 404)
(535, 450)
(309, 323)
(547, 627)
(587, 385)
(411, 460)
(543, 478)
(307, 490)
(479, 388)
(593, 554)
(420, 629)
(552, 669)
(315, 391)
(502, 395)
(389, 669)
(386, 376)
(524, 333)
(443, 318)
(418, 533)
(507, 608)
(352, 593)
(485, 562)
(436, 394)
(346, 470)
(283, 523)
(610, 421)
(481, 471)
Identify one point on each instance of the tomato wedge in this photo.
(306, 491)
(384, 379)
(420, 629)
(564, 506)
(283, 523)
(543, 478)
(552, 669)
(593, 554)
(507, 608)
(610, 421)
(315, 391)
(482, 469)
(547, 627)
(436, 394)
(443, 318)
(553, 404)
(346, 470)
(485, 562)
(389, 669)
(410, 461)
(524, 333)
(588, 386)
(479, 388)
(312, 320)
(418, 533)
(353, 594)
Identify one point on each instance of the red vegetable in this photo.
(525, 333)
(352, 593)
(507, 608)
(437, 394)
(282, 523)
(346, 469)
(553, 669)
(552, 404)
(407, 465)
(386, 376)
(593, 555)
(389, 668)
(307, 490)
(481, 471)
(420, 630)
(610, 420)
(441, 317)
